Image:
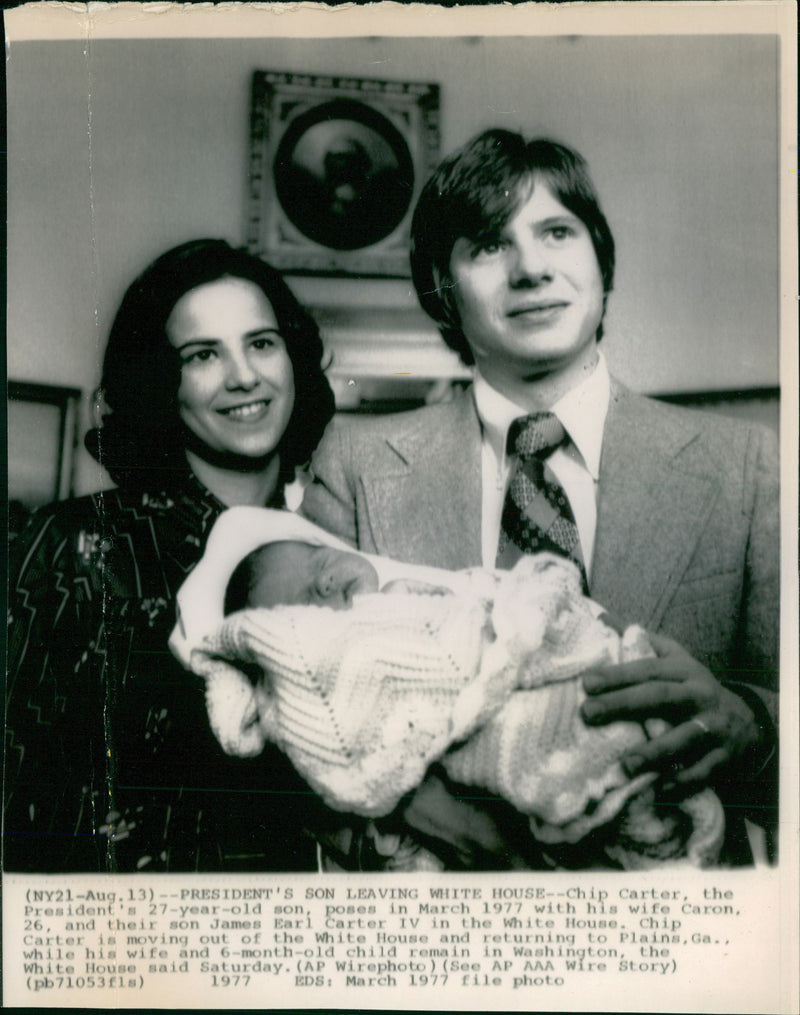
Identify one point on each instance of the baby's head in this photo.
(293, 573)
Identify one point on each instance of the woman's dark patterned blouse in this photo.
(110, 764)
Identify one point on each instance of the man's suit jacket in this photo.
(687, 528)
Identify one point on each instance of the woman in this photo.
(213, 378)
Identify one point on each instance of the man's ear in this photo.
(599, 332)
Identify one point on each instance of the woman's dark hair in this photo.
(474, 193)
(142, 440)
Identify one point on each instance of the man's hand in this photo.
(712, 726)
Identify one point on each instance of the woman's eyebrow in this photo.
(254, 333)
(197, 341)
(266, 330)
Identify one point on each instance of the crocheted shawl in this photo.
(487, 681)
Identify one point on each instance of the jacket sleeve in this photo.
(755, 670)
(54, 753)
(759, 621)
(330, 498)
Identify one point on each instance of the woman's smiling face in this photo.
(236, 391)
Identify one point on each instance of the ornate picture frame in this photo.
(336, 165)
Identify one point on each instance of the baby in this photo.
(363, 695)
(290, 572)
(294, 573)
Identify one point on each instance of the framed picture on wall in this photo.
(336, 165)
(42, 433)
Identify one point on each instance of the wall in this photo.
(120, 149)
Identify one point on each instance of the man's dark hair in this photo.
(474, 193)
(142, 441)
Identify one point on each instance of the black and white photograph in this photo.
(402, 443)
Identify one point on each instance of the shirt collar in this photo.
(581, 411)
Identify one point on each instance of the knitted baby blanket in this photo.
(362, 701)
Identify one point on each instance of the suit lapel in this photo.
(652, 508)
(424, 498)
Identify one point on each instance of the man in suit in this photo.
(672, 514)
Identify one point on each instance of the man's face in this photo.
(298, 574)
(531, 301)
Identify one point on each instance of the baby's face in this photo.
(296, 574)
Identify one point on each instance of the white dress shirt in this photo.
(576, 464)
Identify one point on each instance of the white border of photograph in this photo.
(757, 969)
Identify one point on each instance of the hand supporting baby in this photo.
(713, 727)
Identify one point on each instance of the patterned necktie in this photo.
(537, 516)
